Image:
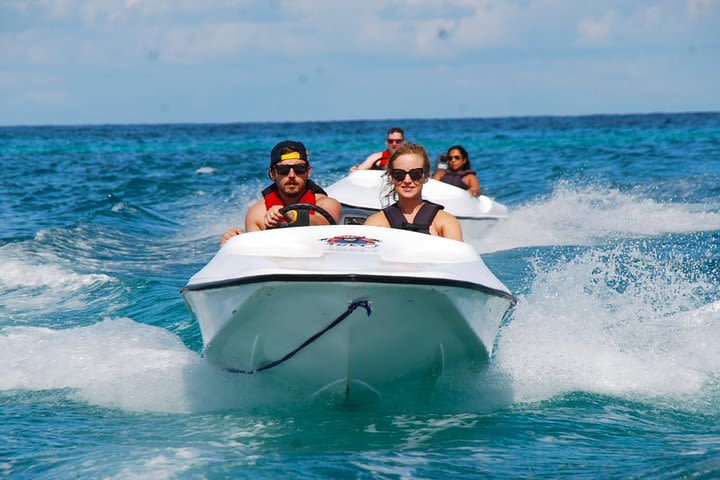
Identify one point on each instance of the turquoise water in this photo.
(606, 368)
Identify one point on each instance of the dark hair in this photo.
(463, 154)
(396, 130)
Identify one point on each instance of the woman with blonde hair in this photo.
(407, 171)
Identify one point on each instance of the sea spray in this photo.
(627, 320)
(590, 215)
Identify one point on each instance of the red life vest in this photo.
(272, 198)
(382, 162)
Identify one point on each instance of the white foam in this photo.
(28, 286)
(121, 364)
(590, 215)
(216, 219)
(163, 463)
(205, 170)
(24, 274)
(621, 322)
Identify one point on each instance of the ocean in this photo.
(608, 367)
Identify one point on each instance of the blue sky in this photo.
(155, 61)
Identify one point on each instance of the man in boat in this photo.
(290, 172)
(378, 160)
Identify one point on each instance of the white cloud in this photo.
(594, 31)
(372, 43)
(698, 7)
(42, 98)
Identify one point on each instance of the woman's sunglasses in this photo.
(398, 174)
(300, 169)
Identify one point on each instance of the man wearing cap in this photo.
(290, 171)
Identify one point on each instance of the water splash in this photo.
(589, 215)
(119, 363)
(623, 321)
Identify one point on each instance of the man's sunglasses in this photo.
(398, 174)
(392, 140)
(300, 169)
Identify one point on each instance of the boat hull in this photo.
(415, 333)
(279, 304)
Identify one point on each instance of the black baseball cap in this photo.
(298, 151)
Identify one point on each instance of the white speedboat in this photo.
(347, 310)
(360, 194)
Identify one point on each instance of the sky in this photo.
(189, 61)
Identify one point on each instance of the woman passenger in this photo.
(459, 171)
(407, 171)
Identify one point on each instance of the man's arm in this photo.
(328, 204)
(229, 234)
(255, 217)
(367, 163)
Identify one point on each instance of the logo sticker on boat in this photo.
(351, 241)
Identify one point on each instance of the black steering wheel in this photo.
(307, 207)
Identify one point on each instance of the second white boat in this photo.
(360, 194)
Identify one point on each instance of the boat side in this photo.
(360, 193)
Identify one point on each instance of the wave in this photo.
(620, 321)
(37, 285)
(117, 363)
(589, 215)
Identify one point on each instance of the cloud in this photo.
(595, 31)
(697, 7)
(192, 54)
(42, 98)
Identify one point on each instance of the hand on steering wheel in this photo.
(307, 207)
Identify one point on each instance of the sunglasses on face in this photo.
(299, 168)
(392, 140)
(454, 157)
(398, 174)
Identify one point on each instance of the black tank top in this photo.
(421, 222)
(455, 178)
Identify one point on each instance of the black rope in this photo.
(351, 308)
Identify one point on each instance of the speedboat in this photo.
(360, 194)
(347, 310)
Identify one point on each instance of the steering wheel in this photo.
(307, 207)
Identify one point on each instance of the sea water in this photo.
(608, 367)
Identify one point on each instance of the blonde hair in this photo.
(388, 188)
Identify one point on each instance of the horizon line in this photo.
(358, 120)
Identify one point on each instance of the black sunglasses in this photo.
(392, 140)
(398, 174)
(455, 157)
(300, 169)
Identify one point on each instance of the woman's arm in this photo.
(448, 226)
(473, 184)
(377, 220)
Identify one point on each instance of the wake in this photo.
(590, 216)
